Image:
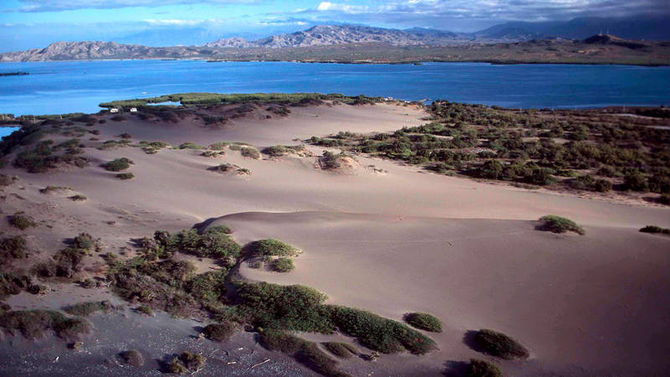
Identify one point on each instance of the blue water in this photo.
(4, 131)
(62, 87)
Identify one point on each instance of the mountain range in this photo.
(321, 36)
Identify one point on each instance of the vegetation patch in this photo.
(132, 357)
(655, 229)
(125, 176)
(271, 247)
(13, 247)
(213, 154)
(250, 152)
(305, 352)
(557, 224)
(118, 164)
(187, 362)
(341, 350)
(85, 309)
(219, 332)
(424, 321)
(329, 161)
(282, 150)
(189, 145)
(113, 144)
(21, 221)
(497, 344)
(482, 368)
(282, 264)
(42, 157)
(152, 147)
(78, 198)
(32, 324)
(604, 151)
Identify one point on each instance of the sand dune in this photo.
(392, 242)
(596, 302)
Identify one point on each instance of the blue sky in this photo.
(36, 23)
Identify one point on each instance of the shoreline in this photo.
(362, 62)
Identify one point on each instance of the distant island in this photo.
(13, 74)
(368, 45)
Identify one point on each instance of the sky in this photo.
(28, 24)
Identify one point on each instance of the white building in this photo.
(113, 110)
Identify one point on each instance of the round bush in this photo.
(219, 332)
(282, 265)
(424, 321)
(557, 224)
(498, 344)
(482, 368)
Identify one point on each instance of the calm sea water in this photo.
(62, 87)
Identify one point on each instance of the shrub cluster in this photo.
(424, 321)
(250, 152)
(21, 221)
(33, 323)
(654, 229)
(118, 164)
(499, 345)
(557, 224)
(271, 247)
(219, 331)
(187, 362)
(482, 368)
(85, 309)
(14, 247)
(282, 264)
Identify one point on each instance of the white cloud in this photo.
(328, 6)
(174, 22)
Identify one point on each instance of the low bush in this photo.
(117, 165)
(654, 229)
(85, 241)
(219, 331)
(424, 321)
(6, 180)
(212, 154)
(50, 189)
(282, 265)
(272, 247)
(190, 145)
(85, 309)
(482, 368)
(329, 161)
(250, 152)
(223, 168)
(557, 224)
(186, 362)
(78, 198)
(307, 353)
(132, 357)
(21, 221)
(34, 323)
(125, 176)
(218, 146)
(13, 283)
(498, 344)
(144, 309)
(14, 247)
(341, 350)
(378, 333)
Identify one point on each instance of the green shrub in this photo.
(292, 307)
(186, 362)
(117, 165)
(272, 247)
(378, 333)
(214, 243)
(145, 309)
(78, 198)
(557, 224)
(222, 168)
(21, 221)
(189, 145)
(635, 181)
(84, 241)
(49, 189)
(341, 350)
(12, 284)
(654, 229)
(282, 265)
(33, 323)
(424, 321)
(482, 368)
(85, 309)
(212, 154)
(329, 161)
(250, 152)
(219, 331)
(125, 176)
(218, 146)
(132, 357)
(14, 247)
(499, 345)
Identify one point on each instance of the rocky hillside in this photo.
(101, 50)
(326, 35)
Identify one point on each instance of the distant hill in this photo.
(327, 35)
(635, 28)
